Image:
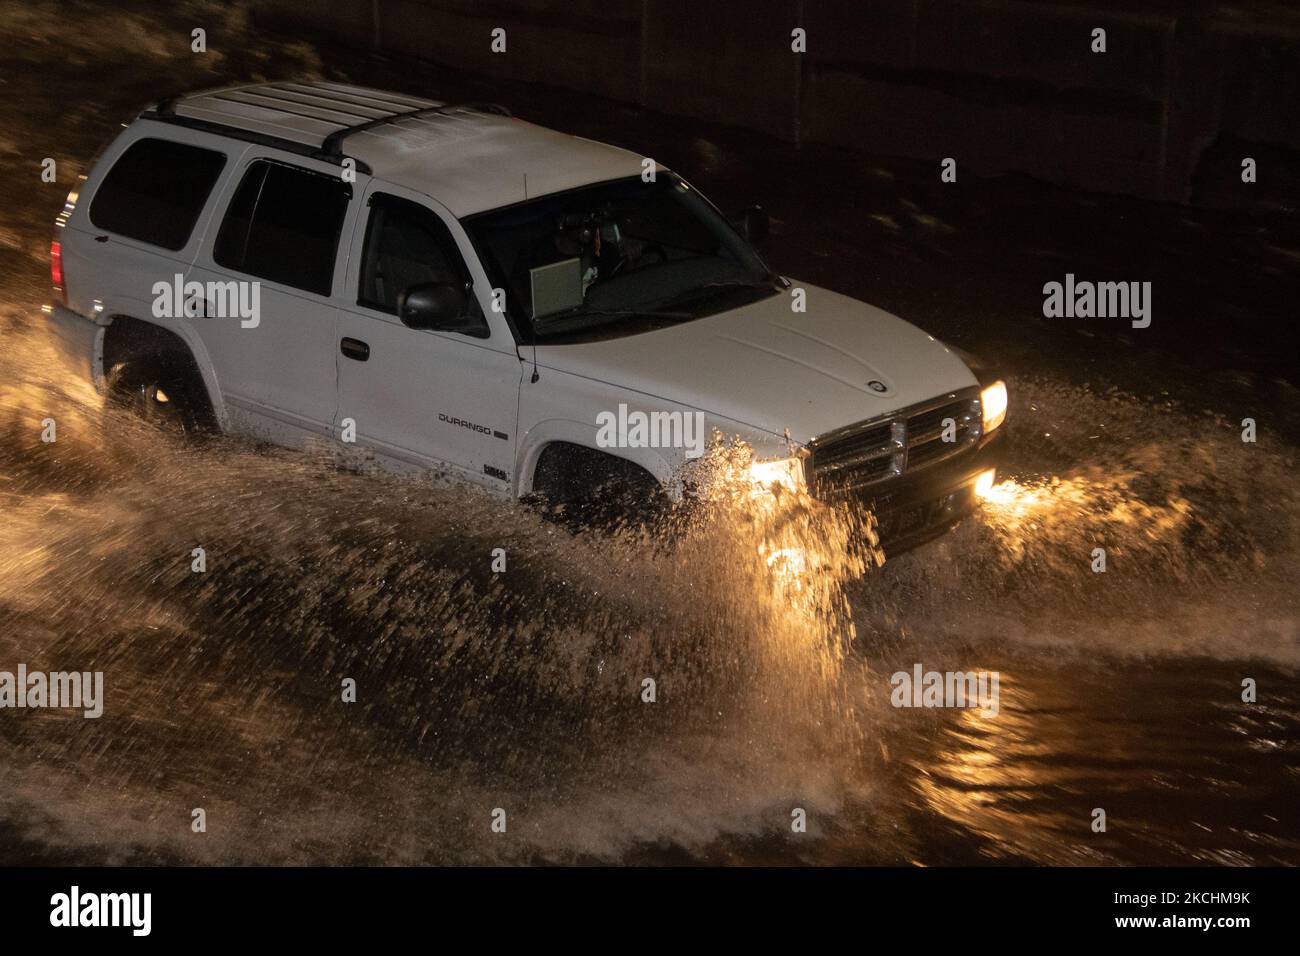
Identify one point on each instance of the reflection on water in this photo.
(1025, 786)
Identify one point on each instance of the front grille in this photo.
(862, 455)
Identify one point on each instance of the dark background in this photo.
(1184, 90)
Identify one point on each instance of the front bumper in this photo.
(917, 507)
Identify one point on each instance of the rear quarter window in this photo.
(283, 224)
(155, 192)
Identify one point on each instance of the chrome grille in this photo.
(906, 441)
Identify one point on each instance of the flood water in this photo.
(523, 690)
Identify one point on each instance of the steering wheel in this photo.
(649, 249)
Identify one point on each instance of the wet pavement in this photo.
(521, 691)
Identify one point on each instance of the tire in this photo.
(584, 489)
(165, 391)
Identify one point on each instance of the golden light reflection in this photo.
(1098, 498)
(989, 771)
(803, 550)
(1013, 498)
(787, 563)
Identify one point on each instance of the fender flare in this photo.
(189, 339)
(583, 434)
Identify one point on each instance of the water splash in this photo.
(529, 682)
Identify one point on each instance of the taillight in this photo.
(56, 271)
(56, 247)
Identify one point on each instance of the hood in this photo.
(762, 365)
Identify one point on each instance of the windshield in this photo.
(616, 259)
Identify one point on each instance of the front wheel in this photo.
(584, 489)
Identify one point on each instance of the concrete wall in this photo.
(1001, 85)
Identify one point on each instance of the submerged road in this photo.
(522, 691)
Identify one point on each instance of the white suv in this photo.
(451, 288)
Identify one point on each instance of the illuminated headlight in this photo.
(994, 402)
(787, 473)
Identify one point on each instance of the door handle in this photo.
(101, 238)
(355, 349)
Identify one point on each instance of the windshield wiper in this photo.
(559, 318)
(767, 283)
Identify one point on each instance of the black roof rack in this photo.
(332, 145)
(251, 136)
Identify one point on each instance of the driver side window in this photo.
(406, 245)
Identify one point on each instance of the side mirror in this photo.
(752, 223)
(437, 306)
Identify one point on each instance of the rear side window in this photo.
(155, 192)
(284, 225)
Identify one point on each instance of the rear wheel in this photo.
(165, 391)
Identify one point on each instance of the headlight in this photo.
(785, 472)
(994, 402)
